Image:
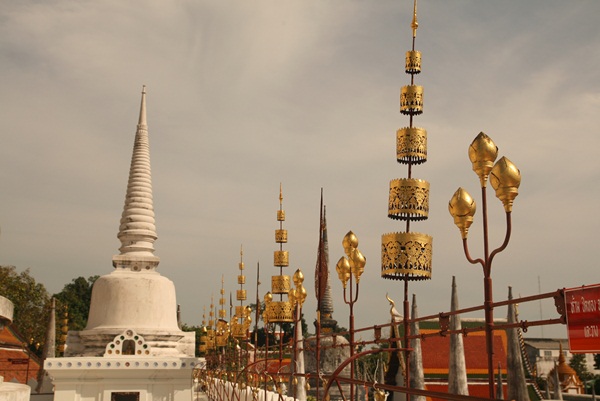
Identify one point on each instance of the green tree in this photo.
(77, 296)
(596, 361)
(31, 301)
(578, 364)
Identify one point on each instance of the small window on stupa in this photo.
(128, 347)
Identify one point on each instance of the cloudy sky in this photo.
(245, 95)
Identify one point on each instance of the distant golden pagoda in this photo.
(407, 255)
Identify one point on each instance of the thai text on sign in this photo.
(582, 305)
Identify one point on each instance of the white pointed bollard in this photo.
(417, 378)
(517, 386)
(457, 370)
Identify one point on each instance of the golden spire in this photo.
(240, 323)
(280, 311)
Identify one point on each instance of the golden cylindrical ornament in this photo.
(280, 312)
(240, 295)
(406, 256)
(280, 236)
(241, 279)
(413, 62)
(240, 311)
(281, 215)
(281, 258)
(280, 284)
(411, 100)
(238, 331)
(411, 145)
(408, 199)
(241, 265)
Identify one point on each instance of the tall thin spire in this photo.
(322, 283)
(137, 231)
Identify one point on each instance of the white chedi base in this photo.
(125, 300)
(105, 378)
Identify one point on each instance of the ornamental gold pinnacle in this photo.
(407, 255)
(240, 323)
(280, 311)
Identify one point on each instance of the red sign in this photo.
(583, 318)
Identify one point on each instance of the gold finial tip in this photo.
(144, 89)
(415, 24)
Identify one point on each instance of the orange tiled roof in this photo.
(436, 352)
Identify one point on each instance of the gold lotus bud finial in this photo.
(483, 152)
(415, 24)
(300, 294)
(343, 270)
(268, 297)
(505, 178)
(292, 296)
(349, 243)
(298, 278)
(357, 264)
(462, 208)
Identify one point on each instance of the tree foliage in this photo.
(578, 363)
(76, 296)
(31, 302)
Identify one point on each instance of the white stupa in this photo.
(132, 348)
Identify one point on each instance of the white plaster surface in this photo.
(14, 391)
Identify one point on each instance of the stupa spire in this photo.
(137, 231)
(322, 282)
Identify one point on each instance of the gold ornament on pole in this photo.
(240, 323)
(407, 255)
(280, 311)
(505, 178)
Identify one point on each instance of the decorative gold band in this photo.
(280, 284)
(411, 145)
(413, 62)
(411, 100)
(281, 236)
(408, 199)
(406, 256)
(281, 258)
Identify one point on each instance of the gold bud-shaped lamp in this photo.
(349, 242)
(343, 270)
(462, 208)
(483, 152)
(298, 277)
(505, 178)
(357, 264)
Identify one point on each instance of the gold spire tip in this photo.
(280, 194)
(415, 24)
